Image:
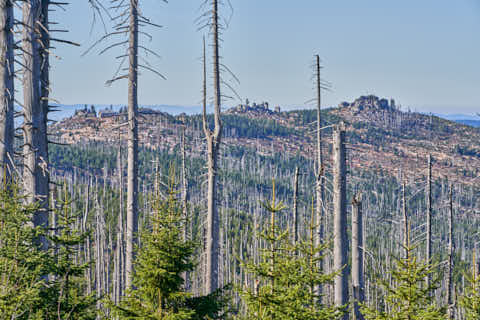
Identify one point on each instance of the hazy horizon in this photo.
(405, 50)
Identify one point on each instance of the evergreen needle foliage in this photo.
(286, 277)
(408, 298)
(22, 263)
(162, 261)
(470, 300)
(65, 297)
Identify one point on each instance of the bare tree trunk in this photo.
(340, 244)
(357, 258)
(87, 259)
(213, 145)
(34, 164)
(405, 222)
(449, 284)
(120, 234)
(43, 176)
(319, 187)
(295, 207)
(6, 89)
(186, 275)
(132, 178)
(429, 217)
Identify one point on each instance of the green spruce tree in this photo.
(162, 260)
(286, 277)
(22, 263)
(407, 297)
(470, 300)
(65, 297)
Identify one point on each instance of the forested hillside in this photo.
(361, 211)
(385, 148)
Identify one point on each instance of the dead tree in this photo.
(43, 175)
(186, 224)
(132, 144)
(213, 145)
(429, 217)
(357, 257)
(119, 254)
(127, 23)
(449, 281)
(34, 130)
(340, 244)
(295, 207)
(319, 174)
(6, 88)
(405, 222)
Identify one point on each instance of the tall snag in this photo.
(429, 216)
(358, 283)
(6, 88)
(449, 282)
(319, 186)
(340, 244)
(213, 144)
(132, 160)
(33, 129)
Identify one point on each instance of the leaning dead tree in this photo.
(340, 244)
(6, 88)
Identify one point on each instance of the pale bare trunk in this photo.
(33, 165)
(405, 222)
(357, 258)
(429, 217)
(340, 245)
(320, 216)
(213, 145)
(295, 207)
(186, 275)
(6, 89)
(119, 276)
(132, 178)
(449, 283)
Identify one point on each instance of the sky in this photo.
(424, 54)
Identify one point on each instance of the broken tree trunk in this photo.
(357, 258)
(340, 244)
(295, 207)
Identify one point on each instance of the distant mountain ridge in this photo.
(382, 136)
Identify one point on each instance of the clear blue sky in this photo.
(425, 54)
